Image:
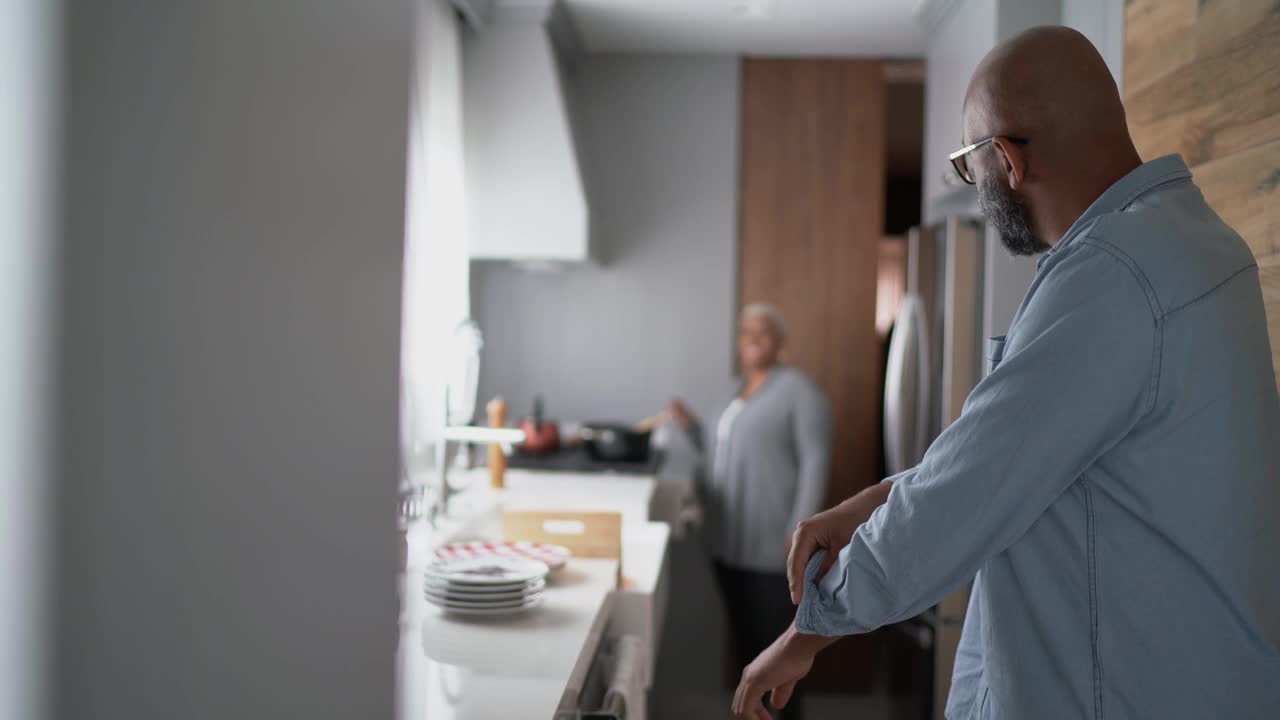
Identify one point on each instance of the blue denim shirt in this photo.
(1113, 484)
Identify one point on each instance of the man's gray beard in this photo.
(1010, 216)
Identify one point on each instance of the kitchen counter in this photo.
(524, 666)
(460, 668)
(631, 495)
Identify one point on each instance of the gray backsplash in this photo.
(654, 318)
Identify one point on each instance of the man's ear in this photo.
(1013, 160)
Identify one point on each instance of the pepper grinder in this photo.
(497, 411)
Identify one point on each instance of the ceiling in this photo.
(851, 28)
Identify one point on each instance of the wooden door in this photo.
(1202, 78)
(811, 219)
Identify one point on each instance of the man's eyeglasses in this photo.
(959, 158)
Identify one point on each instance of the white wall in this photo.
(230, 291)
(660, 144)
(437, 296)
(28, 46)
(1005, 281)
(1017, 15)
(1102, 21)
(954, 50)
(969, 31)
(1006, 277)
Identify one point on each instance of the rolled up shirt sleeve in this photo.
(1079, 371)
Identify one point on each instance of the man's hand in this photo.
(829, 530)
(776, 671)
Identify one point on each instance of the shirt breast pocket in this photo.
(995, 352)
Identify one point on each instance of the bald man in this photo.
(1112, 487)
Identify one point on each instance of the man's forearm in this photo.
(853, 513)
(830, 530)
(866, 501)
(805, 643)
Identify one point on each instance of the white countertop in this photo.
(453, 668)
(630, 495)
(460, 668)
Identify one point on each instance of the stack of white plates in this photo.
(486, 585)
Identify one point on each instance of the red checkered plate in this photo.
(555, 556)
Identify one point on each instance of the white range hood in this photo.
(526, 197)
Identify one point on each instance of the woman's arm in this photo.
(811, 424)
(684, 419)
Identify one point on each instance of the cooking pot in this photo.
(615, 442)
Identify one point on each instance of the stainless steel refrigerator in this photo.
(962, 287)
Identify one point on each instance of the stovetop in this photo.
(575, 459)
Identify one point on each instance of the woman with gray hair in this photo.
(770, 458)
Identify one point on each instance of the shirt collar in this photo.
(1123, 192)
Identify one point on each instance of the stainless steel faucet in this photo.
(469, 435)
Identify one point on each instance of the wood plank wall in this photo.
(811, 219)
(1202, 78)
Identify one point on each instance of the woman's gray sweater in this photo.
(772, 475)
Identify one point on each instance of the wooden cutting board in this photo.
(586, 534)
